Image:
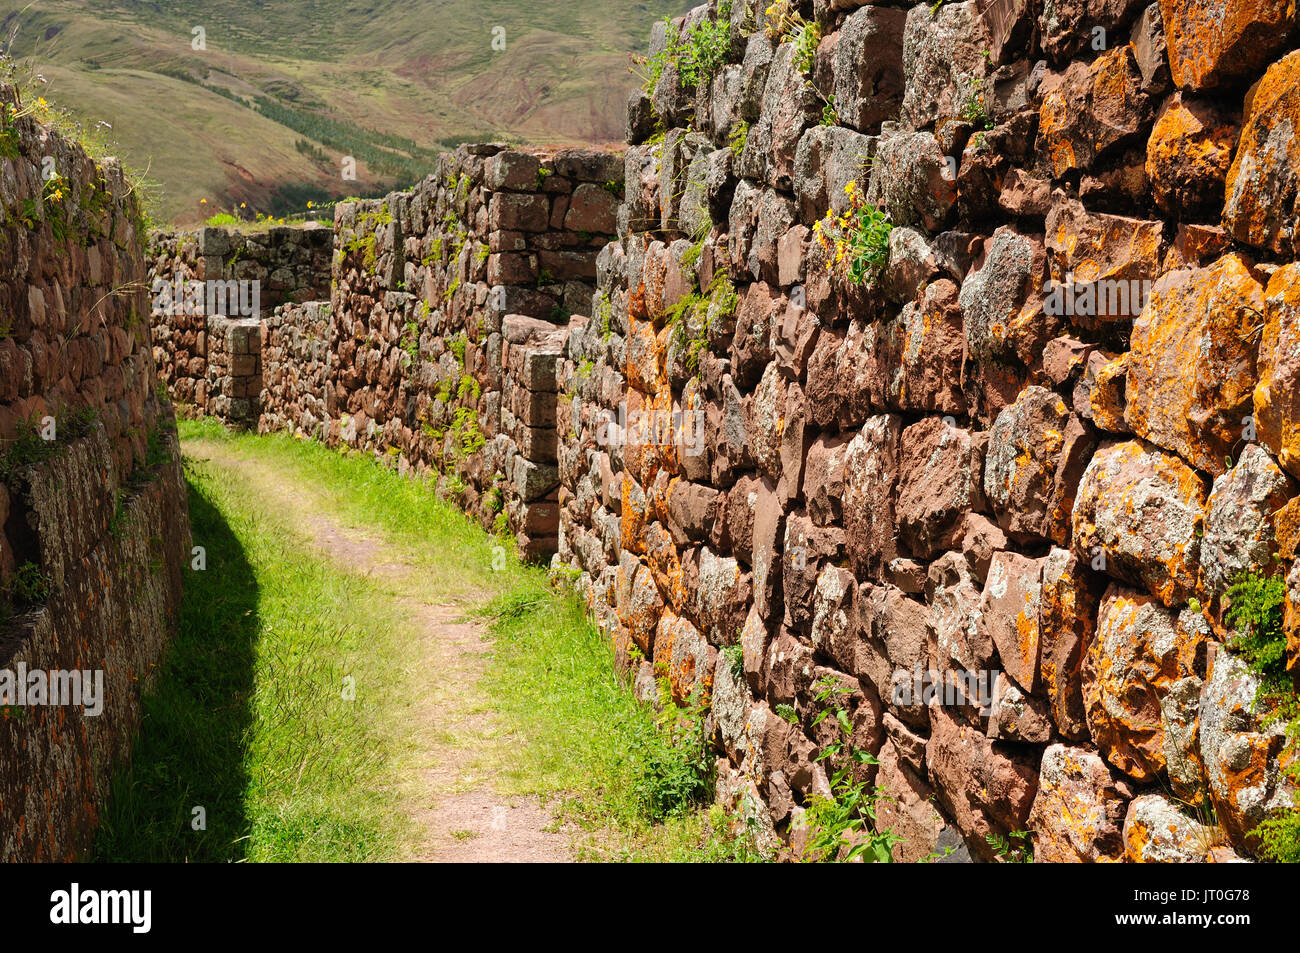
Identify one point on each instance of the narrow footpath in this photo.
(447, 783)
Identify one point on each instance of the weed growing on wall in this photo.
(697, 54)
(738, 136)
(829, 116)
(1015, 848)
(841, 827)
(1255, 613)
(410, 341)
(973, 109)
(694, 313)
(27, 588)
(856, 242)
(30, 444)
(676, 768)
(805, 39)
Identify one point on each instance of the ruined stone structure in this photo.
(1018, 444)
(438, 346)
(94, 530)
(208, 291)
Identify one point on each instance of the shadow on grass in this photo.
(189, 752)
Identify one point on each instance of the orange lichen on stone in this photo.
(1140, 650)
(1188, 154)
(632, 522)
(1107, 397)
(666, 567)
(1277, 395)
(1214, 41)
(1286, 530)
(1291, 618)
(1078, 812)
(1260, 204)
(1191, 369)
(1098, 247)
(1090, 108)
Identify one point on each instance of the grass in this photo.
(248, 719)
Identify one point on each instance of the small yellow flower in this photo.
(203, 201)
(850, 188)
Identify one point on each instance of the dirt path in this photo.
(449, 724)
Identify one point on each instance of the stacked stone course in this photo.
(291, 265)
(449, 306)
(295, 367)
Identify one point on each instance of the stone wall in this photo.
(295, 368)
(426, 366)
(957, 465)
(943, 367)
(438, 346)
(234, 371)
(241, 276)
(93, 522)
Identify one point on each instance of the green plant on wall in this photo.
(841, 826)
(1015, 848)
(1255, 613)
(720, 298)
(676, 767)
(806, 37)
(856, 242)
(468, 388)
(456, 345)
(973, 109)
(28, 587)
(697, 54)
(829, 116)
(410, 341)
(738, 136)
(466, 436)
(706, 48)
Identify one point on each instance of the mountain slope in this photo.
(286, 88)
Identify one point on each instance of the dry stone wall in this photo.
(93, 522)
(447, 320)
(216, 276)
(437, 344)
(295, 366)
(943, 365)
(995, 492)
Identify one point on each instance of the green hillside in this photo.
(286, 88)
